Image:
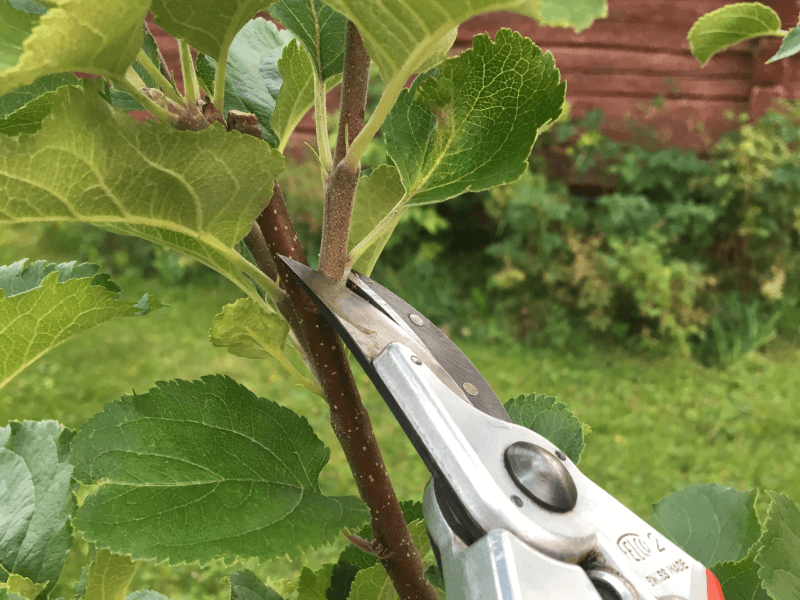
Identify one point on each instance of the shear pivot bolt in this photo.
(416, 319)
(541, 476)
(415, 360)
(470, 389)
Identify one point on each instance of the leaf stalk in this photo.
(190, 86)
(165, 84)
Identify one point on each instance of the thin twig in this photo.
(358, 541)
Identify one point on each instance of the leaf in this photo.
(37, 502)
(122, 99)
(43, 305)
(191, 192)
(789, 47)
(472, 126)
(722, 28)
(245, 585)
(711, 522)
(313, 584)
(22, 587)
(319, 28)
(146, 595)
(739, 579)
(21, 96)
(109, 576)
(202, 469)
(98, 38)
(252, 78)
(401, 37)
(550, 419)
(779, 556)
(379, 196)
(28, 119)
(296, 95)
(209, 26)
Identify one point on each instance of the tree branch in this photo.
(349, 418)
(340, 190)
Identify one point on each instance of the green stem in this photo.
(129, 84)
(321, 118)
(219, 83)
(190, 86)
(295, 375)
(381, 228)
(371, 127)
(165, 84)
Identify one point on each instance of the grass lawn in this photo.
(658, 424)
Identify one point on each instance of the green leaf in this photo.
(377, 208)
(209, 26)
(252, 78)
(109, 576)
(739, 579)
(312, 585)
(789, 47)
(37, 502)
(319, 28)
(43, 305)
(122, 99)
(402, 37)
(196, 470)
(18, 586)
(146, 595)
(472, 126)
(722, 28)
(247, 330)
(191, 191)
(28, 119)
(21, 96)
(550, 419)
(296, 95)
(779, 556)
(712, 523)
(245, 585)
(102, 39)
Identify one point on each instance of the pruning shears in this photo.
(509, 515)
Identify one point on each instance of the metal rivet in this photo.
(561, 455)
(516, 500)
(415, 360)
(416, 319)
(470, 389)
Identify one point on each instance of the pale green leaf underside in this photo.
(18, 587)
(472, 125)
(296, 95)
(102, 38)
(245, 585)
(246, 330)
(196, 470)
(722, 28)
(34, 322)
(320, 29)
(146, 595)
(109, 576)
(35, 532)
(401, 35)
(712, 523)
(550, 419)
(252, 78)
(739, 579)
(209, 26)
(789, 47)
(92, 163)
(779, 556)
(378, 197)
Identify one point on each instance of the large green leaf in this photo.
(379, 196)
(789, 47)
(713, 523)
(109, 576)
(252, 77)
(196, 191)
(722, 28)
(472, 125)
(207, 25)
(195, 470)
(402, 36)
(102, 38)
(739, 579)
(245, 585)
(44, 304)
(319, 28)
(550, 419)
(21, 96)
(37, 501)
(779, 556)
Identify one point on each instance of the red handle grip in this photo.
(714, 587)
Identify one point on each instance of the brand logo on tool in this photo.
(633, 546)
